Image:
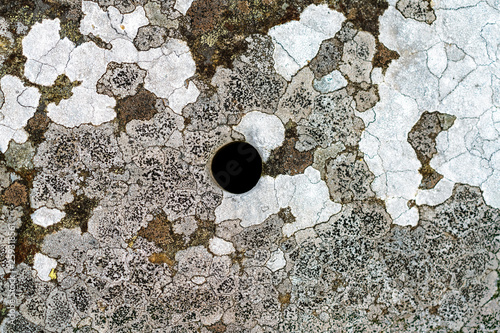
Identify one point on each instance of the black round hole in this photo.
(236, 167)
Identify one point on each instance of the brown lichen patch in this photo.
(160, 231)
(141, 106)
(422, 138)
(31, 236)
(61, 89)
(204, 232)
(78, 212)
(383, 56)
(363, 14)
(430, 177)
(161, 258)
(16, 194)
(286, 160)
(29, 240)
(238, 257)
(286, 215)
(37, 126)
(216, 29)
(433, 310)
(218, 327)
(284, 299)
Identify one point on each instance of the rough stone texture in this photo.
(377, 209)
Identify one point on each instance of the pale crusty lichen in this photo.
(119, 226)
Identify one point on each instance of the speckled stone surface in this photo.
(378, 208)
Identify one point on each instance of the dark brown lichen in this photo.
(286, 160)
(363, 14)
(37, 126)
(16, 194)
(218, 327)
(30, 236)
(286, 215)
(216, 30)
(383, 56)
(422, 138)
(78, 212)
(160, 231)
(141, 106)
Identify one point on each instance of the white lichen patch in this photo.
(276, 261)
(46, 217)
(390, 157)
(183, 5)
(264, 131)
(44, 266)
(306, 195)
(438, 70)
(19, 106)
(330, 82)
(182, 96)
(167, 67)
(111, 24)
(47, 54)
(297, 42)
(220, 247)
(168, 70)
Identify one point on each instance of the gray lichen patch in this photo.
(365, 95)
(422, 138)
(356, 62)
(420, 10)
(20, 156)
(348, 178)
(298, 100)
(331, 120)
(124, 6)
(121, 80)
(150, 37)
(328, 57)
(148, 242)
(246, 88)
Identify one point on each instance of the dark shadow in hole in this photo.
(237, 167)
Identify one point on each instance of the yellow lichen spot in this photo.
(53, 274)
(131, 241)
(122, 26)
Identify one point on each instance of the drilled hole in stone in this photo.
(237, 167)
